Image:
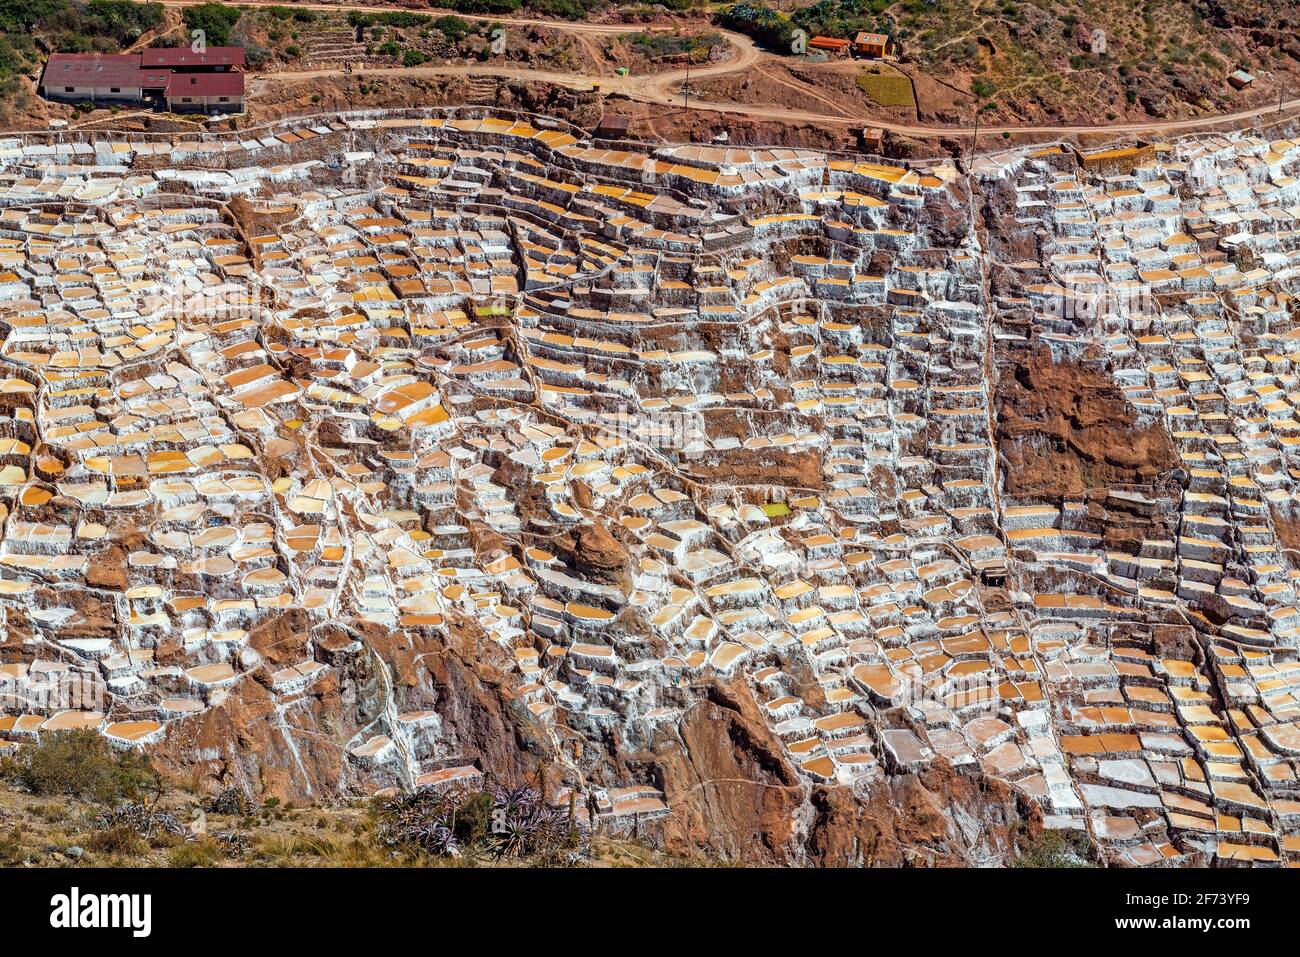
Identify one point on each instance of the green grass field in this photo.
(887, 89)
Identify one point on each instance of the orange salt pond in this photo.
(73, 720)
(132, 731)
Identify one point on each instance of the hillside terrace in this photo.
(760, 371)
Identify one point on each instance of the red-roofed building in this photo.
(100, 76)
(211, 59)
(200, 92)
(829, 44)
(153, 77)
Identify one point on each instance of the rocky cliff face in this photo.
(1065, 429)
(724, 776)
(937, 818)
(298, 751)
(734, 797)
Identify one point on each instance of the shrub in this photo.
(216, 20)
(123, 840)
(840, 18)
(12, 849)
(50, 813)
(659, 44)
(485, 6)
(569, 9)
(453, 28)
(203, 853)
(297, 14)
(82, 764)
(1055, 849)
(762, 24)
(122, 20)
(413, 58)
(256, 55)
(472, 823)
(523, 824)
(18, 55)
(103, 26)
(232, 843)
(678, 5)
(401, 19)
(230, 801)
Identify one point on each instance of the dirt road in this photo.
(661, 89)
(664, 88)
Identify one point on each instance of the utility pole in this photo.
(687, 89)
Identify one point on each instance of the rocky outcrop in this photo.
(723, 774)
(248, 741)
(1064, 428)
(936, 818)
(296, 750)
(734, 797)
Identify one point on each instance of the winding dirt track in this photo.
(664, 88)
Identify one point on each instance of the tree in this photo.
(216, 20)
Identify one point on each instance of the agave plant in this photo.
(143, 819)
(522, 800)
(442, 840)
(231, 801)
(523, 824)
(423, 820)
(509, 822)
